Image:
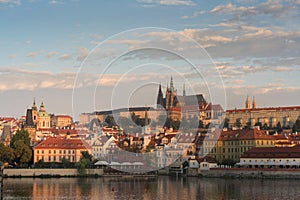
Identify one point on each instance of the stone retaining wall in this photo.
(242, 173)
(48, 172)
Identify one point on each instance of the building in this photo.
(36, 120)
(61, 121)
(188, 106)
(230, 145)
(270, 117)
(54, 149)
(271, 157)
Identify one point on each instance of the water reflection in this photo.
(167, 188)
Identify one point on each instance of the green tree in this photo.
(6, 153)
(84, 162)
(110, 121)
(279, 127)
(296, 126)
(201, 124)
(238, 123)
(20, 143)
(21, 135)
(226, 123)
(22, 152)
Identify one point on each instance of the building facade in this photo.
(286, 116)
(55, 149)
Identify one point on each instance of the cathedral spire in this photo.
(247, 103)
(254, 102)
(160, 98)
(171, 84)
(183, 90)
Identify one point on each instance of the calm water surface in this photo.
(166, 188)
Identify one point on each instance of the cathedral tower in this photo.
(254, 103)
(247, 103)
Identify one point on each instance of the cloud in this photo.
(168, 2)
(55, 2)
(274, 8)
(33, 54)
(82, 53)
(10, 3)
(32, 80)
(51, 54)
(65, 56)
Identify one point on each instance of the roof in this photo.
(267, 109)
(272, 152)
(63, 143)
(215, 107)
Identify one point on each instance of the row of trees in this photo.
(278, 127)
(19, 152)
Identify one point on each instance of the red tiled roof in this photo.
(63, 143)
(63, 116)
(214, 107)
(259, 109)
(272, 152)
(249, 134)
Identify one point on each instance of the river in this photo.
(164, 188)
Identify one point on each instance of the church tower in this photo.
(247, 103)
(42, 107)
(160, 97)
(254, 103)
(34, 112)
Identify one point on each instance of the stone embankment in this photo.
(49, 172)
(251, 173)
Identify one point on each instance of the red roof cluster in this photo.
(272, 152)
(63, 143)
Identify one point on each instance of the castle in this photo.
(187, 106)
(270, 117)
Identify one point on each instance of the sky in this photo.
(81, 56)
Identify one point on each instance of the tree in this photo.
(110, 121)
(84, 162)
(226, 123)
(6, 153)
(21, 135)
(22, 152)
(296, 126)
(201, 124)
(238, 123)
(20, 143)
(279, 127)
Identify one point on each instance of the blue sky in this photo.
(253, 44)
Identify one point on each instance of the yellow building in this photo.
(232, 144)
(54, 149)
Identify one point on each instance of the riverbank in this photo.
(50, 172)
(237, 173)
(251, 173)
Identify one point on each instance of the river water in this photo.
(165, 188)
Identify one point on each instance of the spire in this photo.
(171, 84)
(160, 98)
(42, 107)
(146, 117)
(34, 105)
(254, 102)
(247, 103)
(183, 90)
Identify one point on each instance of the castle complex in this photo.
(270, 117)
(188, 106)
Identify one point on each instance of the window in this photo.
(49, 151)
(42, 151)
